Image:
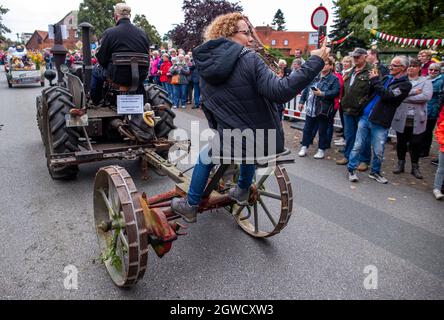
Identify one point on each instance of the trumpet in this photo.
(270, 60)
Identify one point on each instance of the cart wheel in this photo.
(120, 226)
(271, 204)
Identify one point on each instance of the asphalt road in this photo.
(336, 231)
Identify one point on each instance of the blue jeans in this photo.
(309, 131)
(378, 137)
(202, 172)
(439, 178)
(196, 94)
(350, 130)
(180, 95)
(169, 88)
(97, 81)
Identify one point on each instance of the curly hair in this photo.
(223, 26)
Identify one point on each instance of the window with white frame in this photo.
(273, 42)
(285, 42)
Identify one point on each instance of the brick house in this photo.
(285, 41)
(39, 40)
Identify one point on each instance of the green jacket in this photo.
(356, 96)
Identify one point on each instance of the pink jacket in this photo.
(153, 68)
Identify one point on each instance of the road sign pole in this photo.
(322, 33)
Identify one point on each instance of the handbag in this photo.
(175, 79)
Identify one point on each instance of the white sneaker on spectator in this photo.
(303, 152)
(352, 176)
(320, 154)
(174, 107)
(340, 142)
(438, 194)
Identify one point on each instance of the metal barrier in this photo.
(291, 111)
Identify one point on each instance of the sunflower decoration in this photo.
(36, 58)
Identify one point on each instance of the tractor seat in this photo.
(280, 158)
(135, 61)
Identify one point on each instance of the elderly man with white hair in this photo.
(386, 95)
(124, 37)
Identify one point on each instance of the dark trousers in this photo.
(190, 92)
(97, 80)
(409, 142)
(428, 137)
(341, 115)
(310, 125)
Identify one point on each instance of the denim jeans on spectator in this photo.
(169, 88)
(439, 178)
(310, 124)
(196, 95)
(180, 94)
(202, 172)
(330, 128)
(378, 137)
(350, 129)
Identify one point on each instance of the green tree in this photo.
(279, 21)
(198, 15)
(141, 21)
(99, 13)
(3, 28)
(403, 18)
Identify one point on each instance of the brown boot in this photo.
(362, 167)
(342, 162)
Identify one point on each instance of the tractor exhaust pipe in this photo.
(87, 66)
(59, 52)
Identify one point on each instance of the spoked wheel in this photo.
(270, 206)
(120, 226)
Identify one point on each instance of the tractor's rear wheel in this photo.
(157, 96)
(60, 139)
(39, 118)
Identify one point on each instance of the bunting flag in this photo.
(336, 42)
(406, 41)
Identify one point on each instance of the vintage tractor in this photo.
(75, 131)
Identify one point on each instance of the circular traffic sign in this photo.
(319, 17)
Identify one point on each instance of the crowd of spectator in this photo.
(406, 96)
(176, 72)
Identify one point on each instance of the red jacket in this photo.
(164, 69)
(439, 134)
(341, 91)
(425, 69)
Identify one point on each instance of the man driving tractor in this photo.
(124, 37)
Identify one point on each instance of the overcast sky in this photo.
(27, 16)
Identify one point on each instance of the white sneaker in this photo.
(303, 152)
(340, 142)
(174, 107)
(438, 194)
(352, 176)
(320, 154)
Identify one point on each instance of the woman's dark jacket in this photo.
(239, 91)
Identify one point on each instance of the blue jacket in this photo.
(330, 86)
(434, 105)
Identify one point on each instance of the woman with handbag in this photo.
(319, 97)
(179, 81)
